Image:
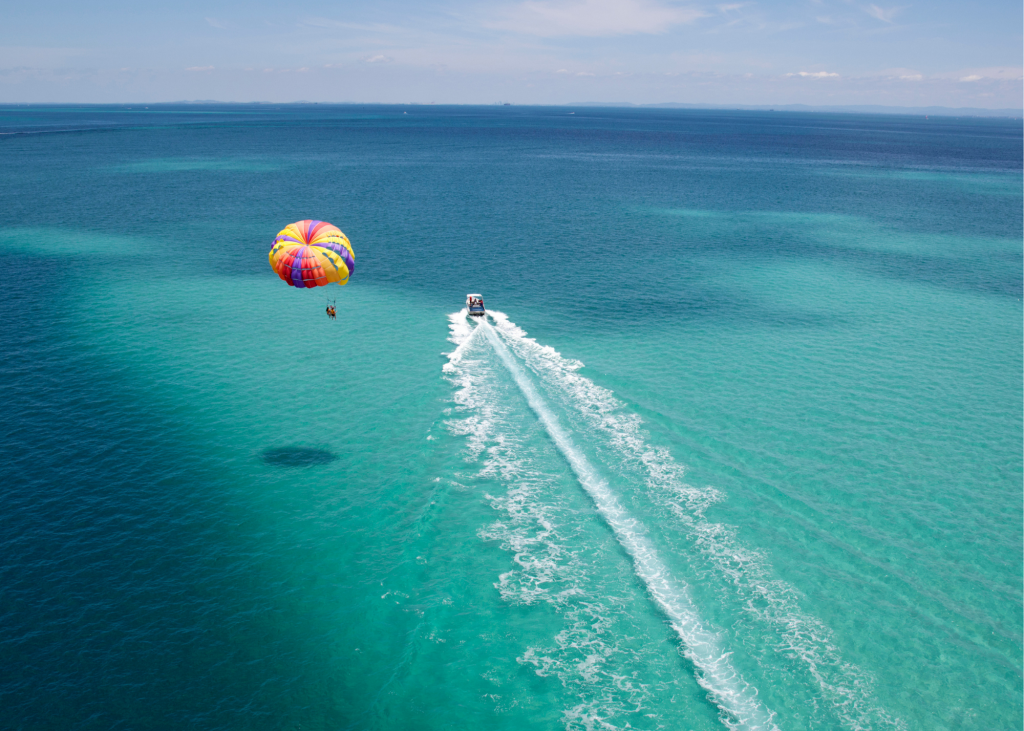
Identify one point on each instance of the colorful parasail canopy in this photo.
(312, 254)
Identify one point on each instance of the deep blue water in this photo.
(741, 445)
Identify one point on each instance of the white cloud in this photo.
(593, 17)
(199, 68)
(378, 59)
(815, 75)
(886, 16)
(215, 23)
(997, 73)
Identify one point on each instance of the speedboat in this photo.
(475, 305)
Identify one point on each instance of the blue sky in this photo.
(523, 51)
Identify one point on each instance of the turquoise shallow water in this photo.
(740, 446)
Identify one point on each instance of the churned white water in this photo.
(701, 645)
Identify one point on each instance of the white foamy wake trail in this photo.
(737, 699)
(767, 600)
(608, 675)
(461, 333)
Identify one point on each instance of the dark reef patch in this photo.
(297, 456)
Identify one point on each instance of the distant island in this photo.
(845, 109)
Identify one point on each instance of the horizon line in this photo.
(938, 110)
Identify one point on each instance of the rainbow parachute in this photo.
(312, 254)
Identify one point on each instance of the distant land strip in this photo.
(845, 109)
(837, 109)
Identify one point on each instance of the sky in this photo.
(817, 52)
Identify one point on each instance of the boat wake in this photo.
(737, 700)
(594, 419)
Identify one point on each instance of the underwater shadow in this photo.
(297, 456)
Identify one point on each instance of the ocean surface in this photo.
(739, 446)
